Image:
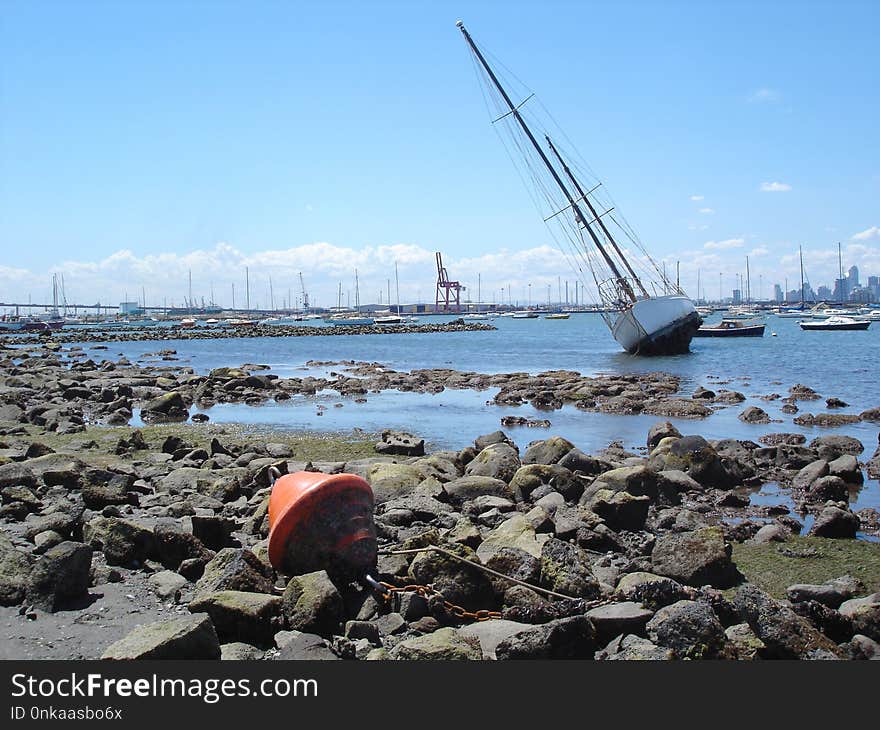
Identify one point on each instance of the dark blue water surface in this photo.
(841, 364)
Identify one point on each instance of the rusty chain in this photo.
(430, 592)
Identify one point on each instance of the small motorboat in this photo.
(187, 322)
(525, 314)
(731, 328)
(388, 319)
(474, 316)
(837, 323)
(557, 315)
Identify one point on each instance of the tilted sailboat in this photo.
(646, 314)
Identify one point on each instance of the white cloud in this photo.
(775, 187)
(764, 95)
(759, 251)
(724, 245)
(868, 234)
(696, 198)
(706, 211)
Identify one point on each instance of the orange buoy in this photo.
(322, 522)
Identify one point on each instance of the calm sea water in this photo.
(840, 364)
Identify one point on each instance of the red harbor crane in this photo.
(448, 292)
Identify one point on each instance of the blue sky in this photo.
(139, 140)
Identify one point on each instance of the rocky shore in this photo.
(152, 334)
(135, 543)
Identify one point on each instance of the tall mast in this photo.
(840, 269)
(748, 283)
(571, 201)
(801, 255)
(397, 288)
(596, 217)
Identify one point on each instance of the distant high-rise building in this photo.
(825, 293)
(737, 296)
(777, 293)
(853, 277)
(840, 290)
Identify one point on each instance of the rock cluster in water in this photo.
(161, 548)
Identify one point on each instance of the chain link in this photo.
(429, 591)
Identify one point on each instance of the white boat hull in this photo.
(657, 326)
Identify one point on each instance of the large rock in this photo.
(312, 603)
(637, 480)
(835, 522)
(496, 437)
(60, 575)
(625, 617)
(634, 648)
(446, 643)
(235, 569)
(784, 634)
(491, 633)
(694, 456)
(167, 408)
(174, 545)
(660, 431)
(390, 481)
(530, 477)
(577, 461)
(548, 451)
(16, 474)
(621, 510)
(827, 488)
(690, 628)
(400, 443)
(810, 473)
(460, 583)
(102, 488)
(57, 470)
(499, 461)
(650, 590)
(241, 616)
(565, 638)
(696, 558)
(831, 447)
(187, 637)
(514, 532)
(565, 569)
(298, 645)
(864, 613)
(468, 488)
(123, 542)
(15, 567)
(753, 414)
(846, 467)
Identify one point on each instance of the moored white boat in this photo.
(837, 322)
